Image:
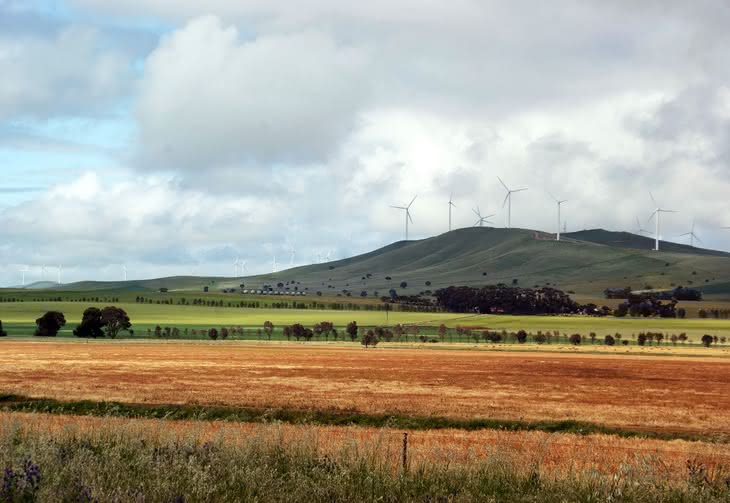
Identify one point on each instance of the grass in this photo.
(19, 319)
(142, 461)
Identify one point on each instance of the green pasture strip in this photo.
(19, 403)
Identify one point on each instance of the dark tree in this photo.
(575, 339)
(308, 334)
(115, 320)
(352, 330)
(609, 340)
(3, 333)
(369, 339)
(521, 336)
(213, 333)
(327, 328)
(224, 333)
(268, 329)
(641, 339)
(297, 330)
(403, 284)
(91, 325)
(287, 333)
(49, 324)
(707, 340)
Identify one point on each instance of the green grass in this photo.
(127, 463)
(17, 403)
(19, 319)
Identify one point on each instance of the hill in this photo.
(584, 262)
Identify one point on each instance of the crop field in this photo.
(19, 319)
(687, 394)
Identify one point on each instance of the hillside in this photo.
(585, 262)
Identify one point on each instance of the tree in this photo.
(540, 338)
(287, 333)
(158, 331)
(213, 333)
(575, 339)
(398, 331)
(352, 330)
(224, 333)
(115, 320)
(49, 324)
(176, 333)
(326, 327)
(308, 334)
(641, 340)
(403, 284)
(3, 333)
(592, 335)
(268, 329)
(297, 330)
(707, 340)
(317, 329)
(609, 340)
(91, 324)
(521, 336)
(442, 331)
(369, 339)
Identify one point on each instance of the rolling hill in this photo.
(584, 262)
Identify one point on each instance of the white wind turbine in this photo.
(242, 266)
(273, 264)
(451, 205)
(23, 271)
(508, 201)
(327, 257)
(657, 213)
(59, 274)
(124, 269)
(407, 209)
(560, 203)
(692, 235)
(482, 220)
(640, 230)
(43, 272)
(235, 267)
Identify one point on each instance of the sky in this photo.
(172, 136)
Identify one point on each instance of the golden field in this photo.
(657, 393)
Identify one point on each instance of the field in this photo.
(19, 319)
(653, 394)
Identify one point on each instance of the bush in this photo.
(540, 338)
(707, 340)
(625, 343)
(369, 339)
(49, 324)
(575, 339)
(610, 341)
(213, 333)
(521, 336)
(641, 339)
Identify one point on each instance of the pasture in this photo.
(19, 319)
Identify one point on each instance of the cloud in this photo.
(66, 73)
(271, 99)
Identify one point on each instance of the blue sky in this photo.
(172, 136)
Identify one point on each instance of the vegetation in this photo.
(49, 324)
(503, 299)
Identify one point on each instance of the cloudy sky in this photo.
(173, 135)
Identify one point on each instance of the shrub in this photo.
(625, 343)
(609, 340)
(702, 313)
(521, 336)
(540, 338)
(213, 333)
(369, 339)
(224, 333)
(575, 339)
(707, 340)
(641, 340)
(49, 324)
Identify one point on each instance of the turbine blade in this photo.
(504, 203)
(503, 184)
(414, 198)
(652, 215)
(476, 212)
(399, 207)
(409, 216)
(653, 200)
(554, 198)
(519, 190)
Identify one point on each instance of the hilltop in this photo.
(584, 262)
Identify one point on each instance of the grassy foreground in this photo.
(122, 463)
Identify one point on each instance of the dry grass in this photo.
(558, 455)
(657, 393)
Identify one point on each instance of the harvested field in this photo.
(557, 455)
(682, 394)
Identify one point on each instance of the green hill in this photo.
(584, 262)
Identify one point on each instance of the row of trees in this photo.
(95, 323)
(503, 299)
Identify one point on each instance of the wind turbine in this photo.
(273, 264)
(560, 203)
(24, 270)
(482, 220)
(59, 274)
(657, 213)
(692, 235)
(236, 267)
(408, 213)
(639, 229)
(43, 272)
(508, 201)
(243, 267)
(327, 257)
(291, 256)
(124, 268)
(451, 205)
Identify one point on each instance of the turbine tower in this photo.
(124, 268)
(560, 203)
(508, 201)
(481, 220)
(43, 272)
(236, 267)
(657, 213)
(407, 209)
(451, 205)
(23, 271)
(59, 274)
(273, 264)
(692, 235)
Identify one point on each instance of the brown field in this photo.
(557, 455)
(683, 394)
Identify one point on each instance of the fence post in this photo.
(404, 453)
